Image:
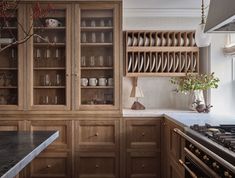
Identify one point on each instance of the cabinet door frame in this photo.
(20, 62)
(29, 64)
(116, 7)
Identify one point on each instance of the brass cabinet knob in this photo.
(143, 133)
(143, 166)
(97, 166)
(48, 166)
(96, 134)
(226, 174)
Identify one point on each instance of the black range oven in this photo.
(209, 151)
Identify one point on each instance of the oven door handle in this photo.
(188, 169)
(206, 150)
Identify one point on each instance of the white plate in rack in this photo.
(129, 63)
(136, 63)
(147, 63)
(171, 62)
(159, 62)
(141, 63)
(164, 63)
(182, 63)
(176, 63)
(194, 64)
(153, 63)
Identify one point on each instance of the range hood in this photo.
(221, 16)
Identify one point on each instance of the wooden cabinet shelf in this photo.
(49, 28)
(8, 87)
(49, 87)
(8, 68)
(49, 44)
(97, 44)
(97, 87)
(160, 53)
(96, 68)
(49, 68)
(9, 28)
(96, 28)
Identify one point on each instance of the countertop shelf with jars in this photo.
(160, 53)
(48, 87)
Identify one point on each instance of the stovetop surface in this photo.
(218, 139)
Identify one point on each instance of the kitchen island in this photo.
(17, 149)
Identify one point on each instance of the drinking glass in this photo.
(47, 80)
(92, 61)
(102, 37)
(58, 80)
(83, 61)
(93, 37)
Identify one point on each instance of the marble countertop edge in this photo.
(12, 172)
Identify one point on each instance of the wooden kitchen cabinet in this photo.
(51, 165)
(64, 142)
(10, 125)
(142, 143)
(97, 62)
(49, 59)
(97, 135)
(11, 67)
(97, 165)
(172, 150)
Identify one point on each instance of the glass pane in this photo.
(97, 58)
(9, 59)
(49, 59)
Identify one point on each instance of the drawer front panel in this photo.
(50, 165)
(11, 125)
(97, 134)
(97, 164)
(144, 134)
(143, 164)
(64, 128)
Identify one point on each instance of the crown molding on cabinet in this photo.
(162, 12)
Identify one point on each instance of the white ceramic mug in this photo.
(102, 81)
(93, 81)
(53, 23)
(93, 23)
(110, 81)
(84, 82)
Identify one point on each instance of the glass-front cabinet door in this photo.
(50, 58)
(98, 61)
(11, 67)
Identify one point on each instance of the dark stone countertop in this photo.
(17, 149)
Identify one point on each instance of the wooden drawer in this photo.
(97, 135)
(144, 134)
(143, 164)
(11, 125)
(97, 165)
(48, 165)
(65, 132)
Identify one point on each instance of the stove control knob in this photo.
(205, 158)
(215, 165)
(191, 146)
(197, 152)
(226, 174)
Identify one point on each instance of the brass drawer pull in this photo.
(143, 134)
(143, 166)
(49, 166)
(97, 166)
(96, 134)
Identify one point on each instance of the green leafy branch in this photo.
(195, 82)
